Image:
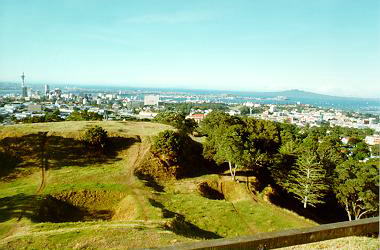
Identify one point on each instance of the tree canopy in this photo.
(357, 188)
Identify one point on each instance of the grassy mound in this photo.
(94, 200)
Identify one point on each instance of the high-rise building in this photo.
(23, 79)
(151, 100)
(23, 87)
(24, 91)
(47, 89)
(29, 92)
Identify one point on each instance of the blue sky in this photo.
(326, 46)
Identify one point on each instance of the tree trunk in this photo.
(348, 212)
(235, 172)
(305, 202)
(231, 171)
(360, 215)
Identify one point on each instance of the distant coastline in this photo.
(356, 104)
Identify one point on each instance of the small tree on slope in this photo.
(307, 180)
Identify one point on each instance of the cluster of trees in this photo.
(48, 117)
(247, 110)
(310, 164)
(177, 120)
(84, 115)
(185, 108)
(240, 142)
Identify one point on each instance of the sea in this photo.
(361, 105)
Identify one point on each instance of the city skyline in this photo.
(328, 47)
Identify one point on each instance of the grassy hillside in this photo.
(92, 199)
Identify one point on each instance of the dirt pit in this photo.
(75, 206)
(206, 190)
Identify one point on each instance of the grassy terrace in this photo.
(92, 200)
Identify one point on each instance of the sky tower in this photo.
(23, 79)
(23, 87)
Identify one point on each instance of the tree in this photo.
(375, 150)
(225, 140)
(245, 110)
(215, 120)
(177, 120)
(307, 180)
(329, 154)
(169, 145)
(95, 137)
(84, 115)
(360, 151)
(263, 141)
(230, 148)
(284, 162)
(53, 116)
(357, 188)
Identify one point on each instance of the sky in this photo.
(324, 46)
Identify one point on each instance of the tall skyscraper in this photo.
(23, 80)
(23, 87)
(47, 89)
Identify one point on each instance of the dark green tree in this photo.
(360, 151)
(177, 120)
(357, 188)
(230, 148)
(84, 115)
(95, 137)
(170, 146)
(375, 150)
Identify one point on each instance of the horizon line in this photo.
(146, 86)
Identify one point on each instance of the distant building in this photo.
(34, 108)
(147, 115)
(24, 91)
(372, 140)
(47, 89)
(197, 117)
(233, 112)
(151, 100)
(345, 140)
(272, 108)
(29, 92)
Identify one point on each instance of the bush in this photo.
(169, 145)
(177, 120)
(84, 115)
(96, 137)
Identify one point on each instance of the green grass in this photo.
(120, 238)
(230, 219)
(141, 216)
(76, 129)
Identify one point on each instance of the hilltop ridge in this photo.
(97, 201)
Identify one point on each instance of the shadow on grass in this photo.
(46, 209)
(25, 151)
(18, 206)
(328, 212)
(9, 161)
(180, 226)
(149, 181)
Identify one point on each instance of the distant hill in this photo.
(296, 93)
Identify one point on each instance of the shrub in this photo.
(96, 137)
(169, 145)
(177, 120)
